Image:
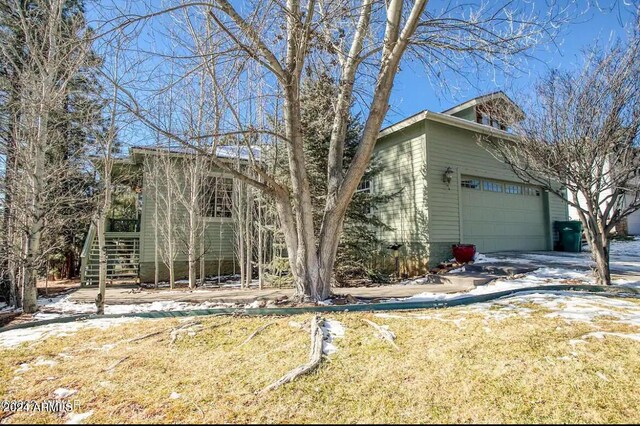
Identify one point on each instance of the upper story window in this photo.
(532, 191)
(364, 187)
(219, 197)
(485, 117)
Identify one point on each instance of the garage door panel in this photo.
(497, 221)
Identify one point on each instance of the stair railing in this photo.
(86, 250)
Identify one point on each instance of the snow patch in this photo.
(47, 362)
(23, 368)
(174, 395)
(331, 330)
(62, 393)
(13, 338)
(78, 418)
(540, 277)
(602, 334)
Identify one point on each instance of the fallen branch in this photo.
(137, 339)
(255, 333)
(315, 356)
(189, 328)
(117, 363)
(383, 333)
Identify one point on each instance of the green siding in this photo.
(467, 114)
(219, 236)
(426, 216)
(402, 158)
(457, 148)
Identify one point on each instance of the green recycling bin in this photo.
(570, 235)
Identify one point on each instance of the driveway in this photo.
(625, 264)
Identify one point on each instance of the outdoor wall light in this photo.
(447, 177)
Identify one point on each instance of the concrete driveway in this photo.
(625, 266)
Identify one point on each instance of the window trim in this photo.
(471, 179)
(492, 183)
(218, 175)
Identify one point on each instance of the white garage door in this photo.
(500, 215)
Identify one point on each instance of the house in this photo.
(450, 190)
(455, 191)
(132, 242)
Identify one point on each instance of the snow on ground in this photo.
(568, 306)
(62, 393)
(78, 418)
(542, 276)
(60, 306)
(331, 329)
(13, 338)
(602, 334)
(625, 256)
(626, 248)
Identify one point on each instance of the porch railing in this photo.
(123, 225)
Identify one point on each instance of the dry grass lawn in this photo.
(475, 370)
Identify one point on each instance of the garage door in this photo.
(499, 215)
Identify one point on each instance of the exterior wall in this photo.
(219, 242)
(402, 158)
(147, 270)
(426, 215)
(467, 114)
(633, 223)
(449, 146)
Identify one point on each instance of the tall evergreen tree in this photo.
(360, 241)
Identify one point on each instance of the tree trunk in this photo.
(102, 265)
(29, 289)
(192, 248)
(600, 255)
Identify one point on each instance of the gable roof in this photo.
(495, 96)
(445, 119)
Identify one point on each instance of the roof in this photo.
(499, 95)
(445, 119)
(229, 152)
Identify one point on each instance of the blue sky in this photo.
(413, 92)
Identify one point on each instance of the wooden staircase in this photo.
(123, 257)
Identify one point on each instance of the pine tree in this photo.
(359, 241)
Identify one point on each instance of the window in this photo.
(513, 189)
(487, 120)
(364, 186)
(531, 191)
(491, 186)
(470, 183)
(218, 198)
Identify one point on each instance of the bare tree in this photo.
(260, 55)
(193, 176)
(166, 167)
(581, 142)
(54, 48)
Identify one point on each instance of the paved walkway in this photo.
(508, 263)
(132, 294)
